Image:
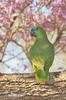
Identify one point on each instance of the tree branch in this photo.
(18, 86)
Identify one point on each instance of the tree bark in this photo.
(25, 87)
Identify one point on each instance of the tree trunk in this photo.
(25, 87)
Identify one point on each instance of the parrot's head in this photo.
(42, 76)
(37, 32)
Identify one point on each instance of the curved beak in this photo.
(32, 33)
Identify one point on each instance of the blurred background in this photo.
(17, 17)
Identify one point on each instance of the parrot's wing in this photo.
(38, 63)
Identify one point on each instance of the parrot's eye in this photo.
(37, 28)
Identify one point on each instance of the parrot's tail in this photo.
(42, 76)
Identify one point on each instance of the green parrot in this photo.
(41, 54)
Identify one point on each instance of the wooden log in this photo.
(25, 87)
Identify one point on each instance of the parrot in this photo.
(41, 54)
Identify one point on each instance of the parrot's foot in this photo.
(42, 76)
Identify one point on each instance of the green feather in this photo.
(41, 54)
(42, 76)
(38, 63)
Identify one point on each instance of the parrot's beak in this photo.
(33, 33)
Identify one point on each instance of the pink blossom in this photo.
(20, 35)
(30, 11)
(2, 37)
(18, 1)
(10, 9)
(62, 41)
(3, 5)
(6, 9)
(25, 67)
(60, 13)
(48, 25)
(1, 17)
(13, 69)
(15, 14)
(56, 2)
(28, 37)
(6, 21)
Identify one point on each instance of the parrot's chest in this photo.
(42, 54)
(39, 50)
(37, 57)
(36, 51)
(44, 51)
